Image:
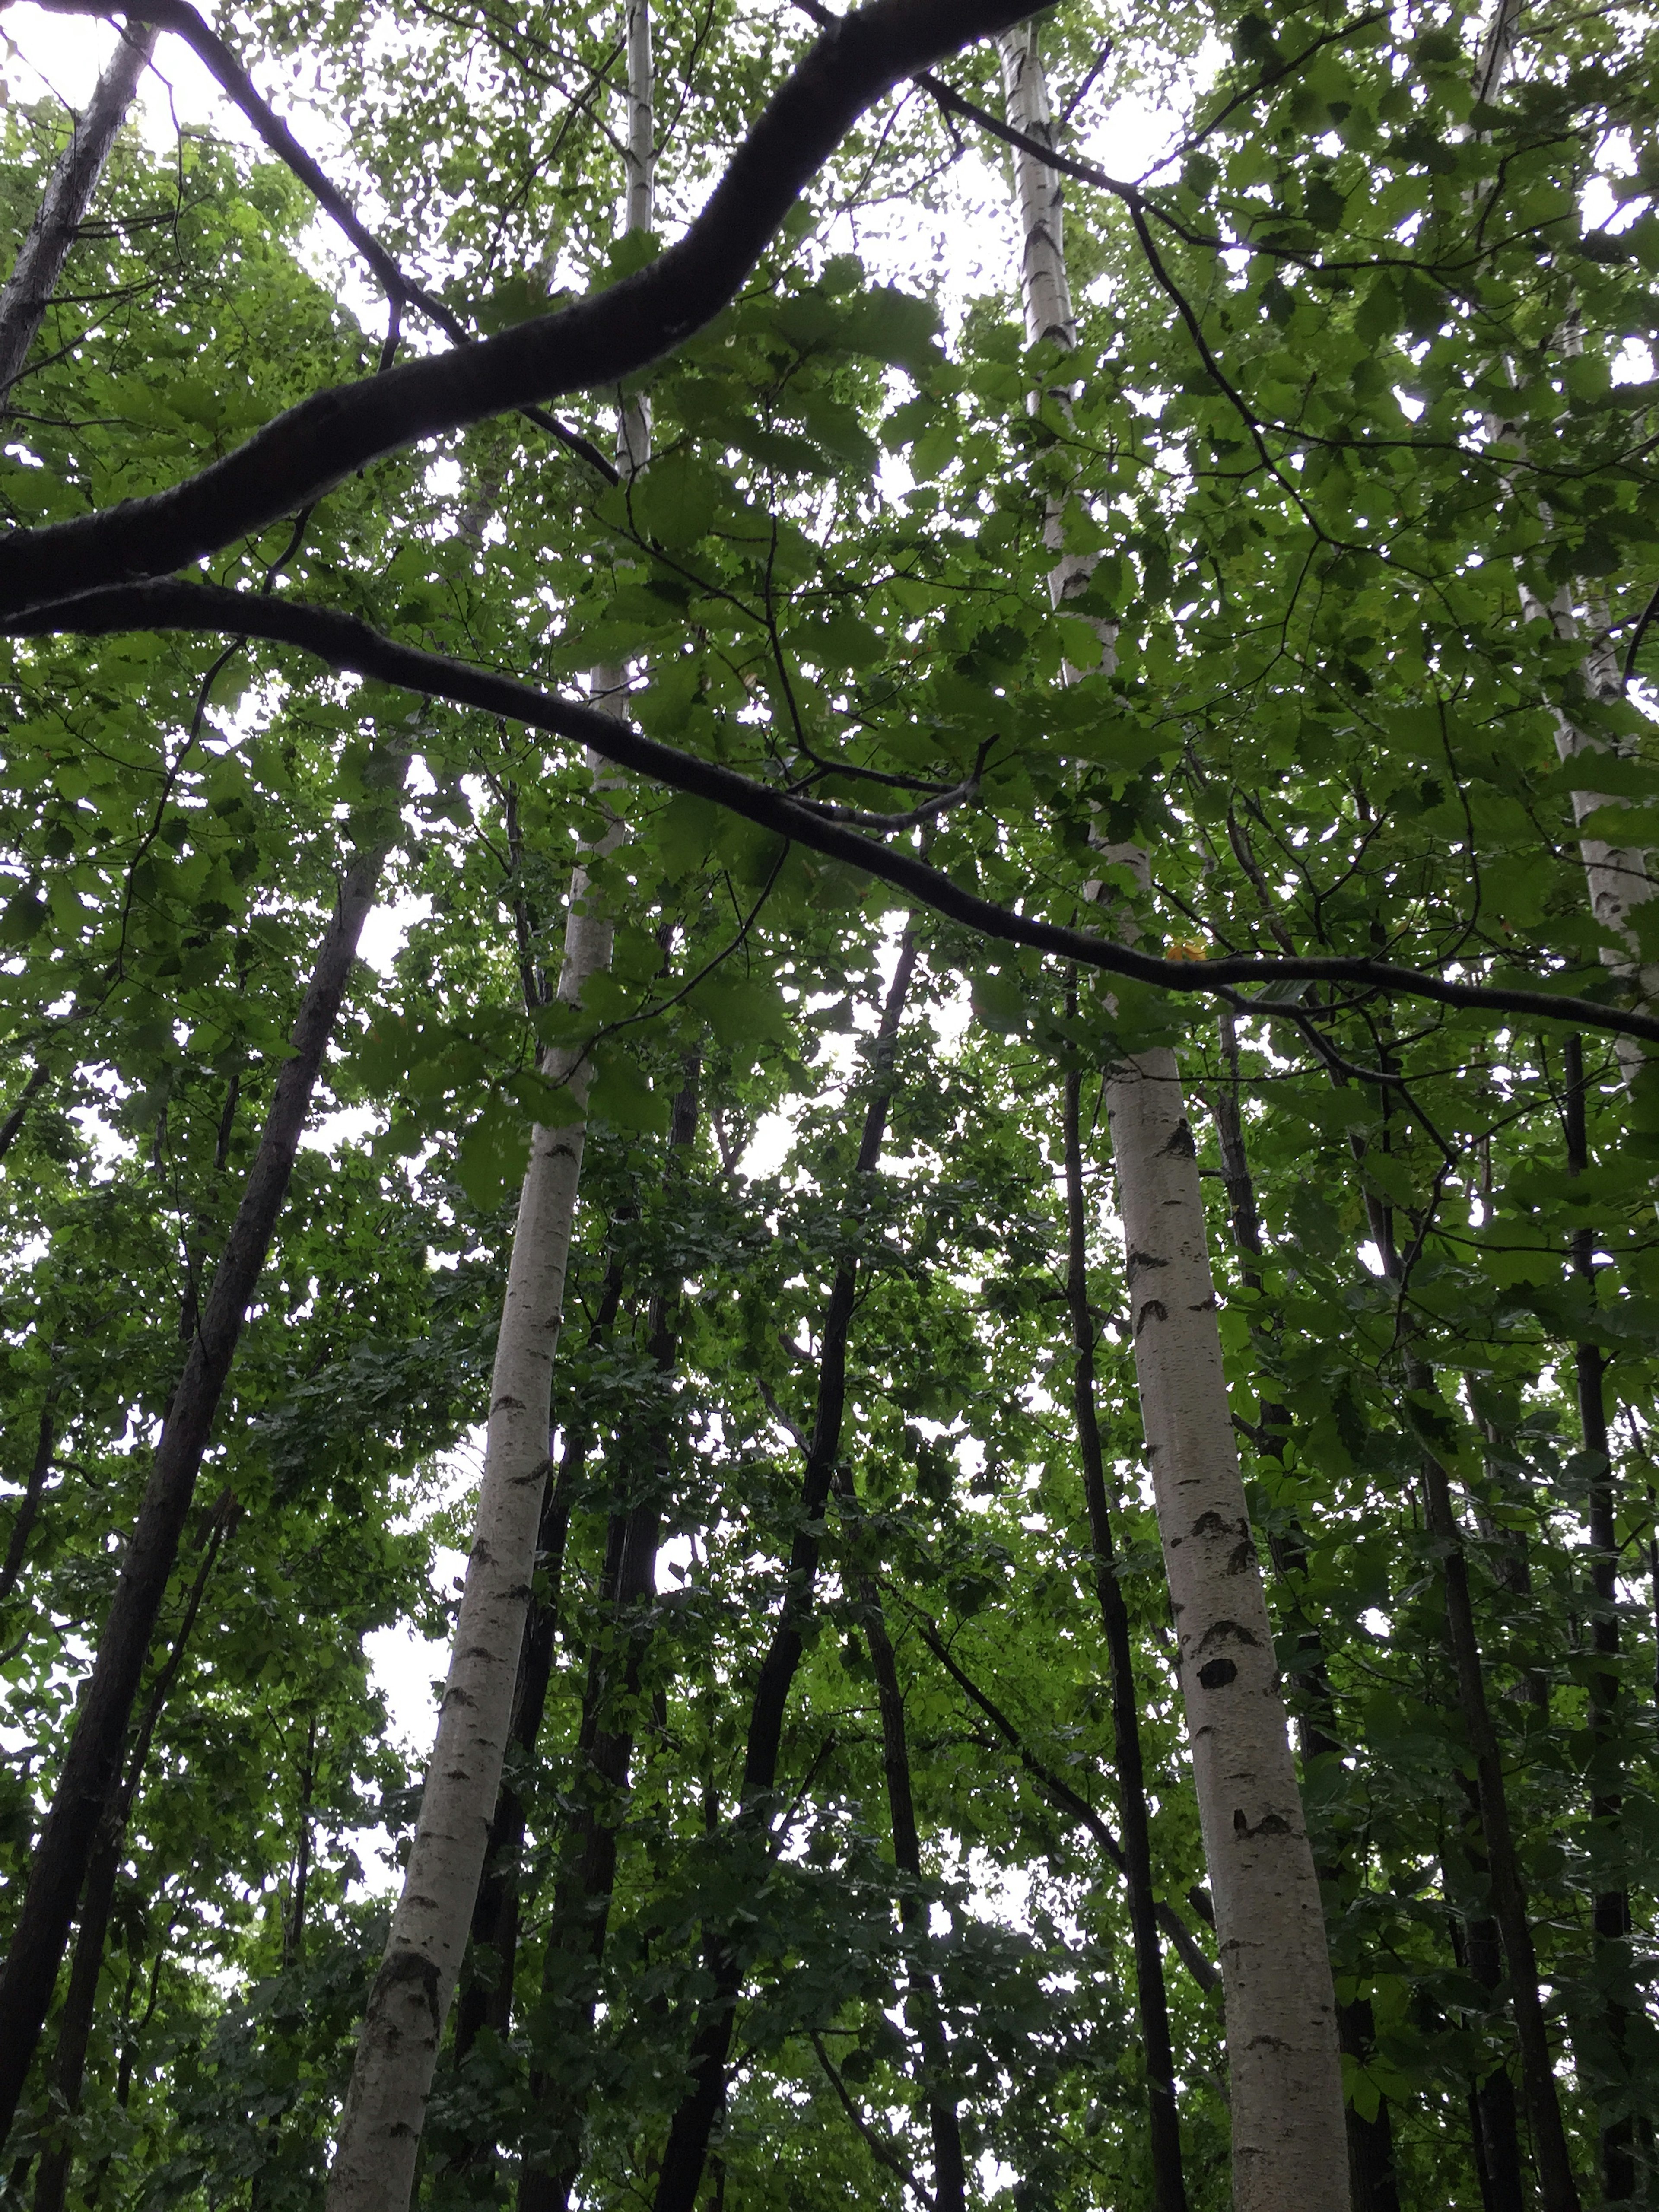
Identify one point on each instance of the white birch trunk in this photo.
(1616, 876)
(63, 208)
(374, 2163)
(1289, 2136)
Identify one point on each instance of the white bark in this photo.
(1289, 2134)
(1616, 876)
(373, 2168)
(63, 208)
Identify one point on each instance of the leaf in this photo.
(623, 1095)
(675, 500)
(492, 1156)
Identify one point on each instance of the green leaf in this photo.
(623, 1095)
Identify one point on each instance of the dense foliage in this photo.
(1360, 445)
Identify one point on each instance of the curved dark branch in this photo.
(598, 341)
(345, 643)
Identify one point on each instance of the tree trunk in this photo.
(90, 1765)
(1559, 2190)
(1372, 2179)
(487, 2002)
(29, 1505)
(39, 1076)
(98, 1900)
(386, 2105)
(1169, 2184)
(1061, 1793)
(687, 2150)
(63, 210)
(1289, 2139)
(944, 2125)
(1611, 1908)
(1494, 2121)
(581, 1910)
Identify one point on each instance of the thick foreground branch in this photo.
(598, 341)
(346, 644)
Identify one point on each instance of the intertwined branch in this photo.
(345, 643)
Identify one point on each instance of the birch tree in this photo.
(1288, 2140)
(409, 2005)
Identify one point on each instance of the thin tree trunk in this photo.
(380, 2129)
(1611, 1907)
(687, 2150)
(385, 2111)
(1494, 2119)
(39, 1076)
(1289, 2139)
(294, 1921)
(29, 1505)
(944, 2125)
(1061, 1793)
(92, 1762)
(28, 291)
(1168, 2184)
(1561, 2193)
(483, 2002)
(98, 1900)
(581, 1911)
(1372, 2179)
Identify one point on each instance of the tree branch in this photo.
(597, 341)
(345, 643)
(1061, 1794)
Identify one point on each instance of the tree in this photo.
(823, 1847)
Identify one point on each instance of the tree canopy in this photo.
(938, 724)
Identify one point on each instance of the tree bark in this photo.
(63, 210)
(686, 2153)
(1611, 1908)
(29, 1505)
(374, 2168)
(1372, 2180)
(944, 2121)
(375, 2164)
(98, 1899)
(1168, 2184)
(1494, 2120)
(64, 1850)
(39, 1076)
(1289, 2139)
(483, 2003)
(1560, 2191)
(581, 1910)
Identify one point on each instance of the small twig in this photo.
(881, 2152)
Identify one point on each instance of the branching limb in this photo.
(597, 341)
(343, 642)
(1061, 1793)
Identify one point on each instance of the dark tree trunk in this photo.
(1168, 2184)
(92, 1763)
(581, 1909)
(81, 2000)
(1560, 2191)
(1611, 1904)
(1494, 2119)
(949, 2176)
(29, 1505)
(686, 2153)
(39, 1076)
